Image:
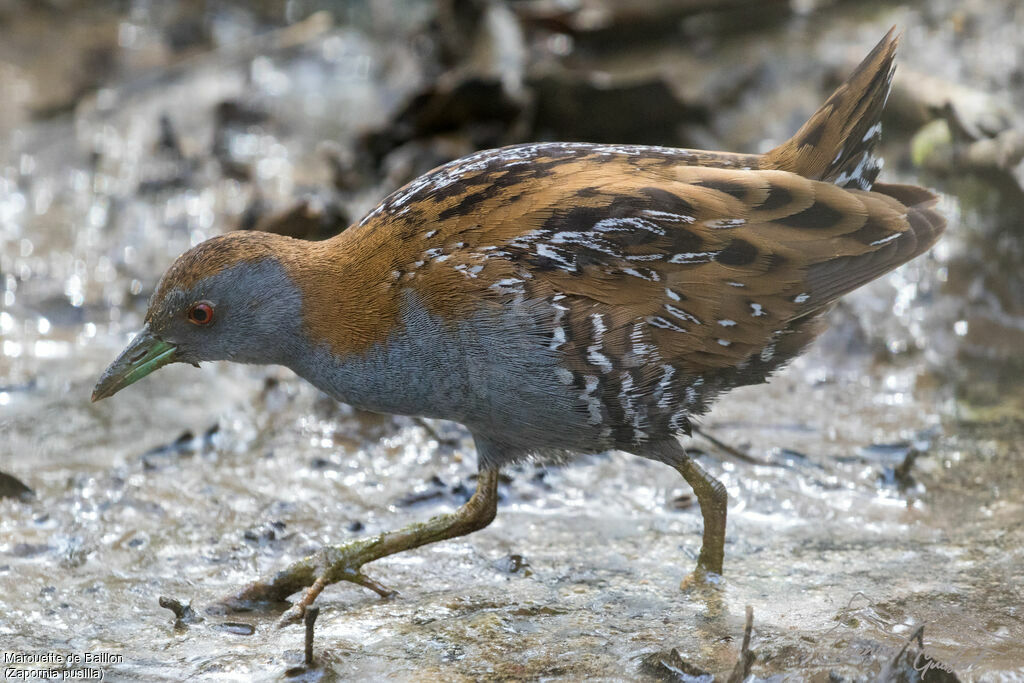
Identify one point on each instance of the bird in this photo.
(555, 299)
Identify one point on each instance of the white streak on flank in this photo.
(558, 336)
(550, 252)
(872, 132)
(558, 297)
(507, 282)
(693, 257)
(640, 348)
(735, 284)
(675, 424)
(662, 392)
(475, 270)
(629, 411)
(672, 295)
(428, 235)
(727, 323)
(768, 352)
(635, 273)
(664, 324)
(594, 354)
(758, 310)
(643, 257)
(800, 298)
(724, 342)
(418, 264)
(593, 402)
(443, 257)
(431, 253)
(627, 224)
(682, 315)
(839, 155)
(887, 239)
(460, 245)
(564, 376)
(668, 216)
(691, 396)
(723, 223)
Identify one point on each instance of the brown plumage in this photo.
(558, 297)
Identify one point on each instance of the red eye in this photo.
(201, 313)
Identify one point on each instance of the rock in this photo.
(11, 487)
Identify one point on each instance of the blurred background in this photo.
(892, 497)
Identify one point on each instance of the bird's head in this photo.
(229, 298)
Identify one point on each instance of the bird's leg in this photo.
(344, 562)
(713, 499)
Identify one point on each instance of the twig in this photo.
(743, 664)
(310, 618)
(738, 454)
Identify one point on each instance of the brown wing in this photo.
(710, 263)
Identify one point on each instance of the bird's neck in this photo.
(349, 299)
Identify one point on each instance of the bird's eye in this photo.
(201, 313)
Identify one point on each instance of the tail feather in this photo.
(837, 143)
(831, 279)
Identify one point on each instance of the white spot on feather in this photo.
(650, 277)
(668, 216)
(551, 253)
(724, 223)
(627, 224)
(886, 239)
(682, 315)
(693, 257)
(664, 324)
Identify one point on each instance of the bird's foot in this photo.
(314, 573)
(344, 562)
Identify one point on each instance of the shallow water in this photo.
(839, 561)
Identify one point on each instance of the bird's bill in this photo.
(142, 356)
